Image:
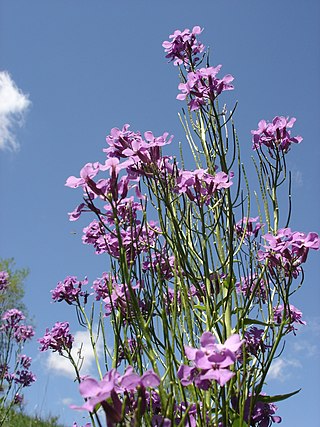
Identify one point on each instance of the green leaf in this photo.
(239, 423)
(278, 397)
(248, 321)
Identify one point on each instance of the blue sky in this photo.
(88, 66)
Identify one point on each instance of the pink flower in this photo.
(210, 362)
(275, 135)
(203, 86)
(183, 46)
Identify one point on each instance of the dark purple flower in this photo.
(253, 340)
(58, 339)
(24, 377)
(183, 46)
(262, 414)
(69, 290)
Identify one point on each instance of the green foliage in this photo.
(18, 419)
(14, 294)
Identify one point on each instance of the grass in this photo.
(18, 419)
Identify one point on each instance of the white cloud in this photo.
(81, 347)
(13, 106)
(281, 369)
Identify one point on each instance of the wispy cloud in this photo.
(81, 348)
(281, 369)
(297, 178)
(13, 106)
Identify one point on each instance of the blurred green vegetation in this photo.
(18, 419)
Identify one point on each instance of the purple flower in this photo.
(131, 347)
(58, 339)
(18, 399)
(291, 314)
(127, 144)
(253, 339)
(100, 286)
(25, 361)
(69, 290)
(24, 377)
(275, 135)
(288, 250)
(12, 317)
(162, 264)
(131, 381)
(252, 284)
(248, 226)
(119, 298)
(106, 393)
(23, 333)
(183, 46)
(210, 362)
(75, 214)
(88, 172)
(97, 391)
(200, 186)
(203, 86)
(4, 280)
(262, 414)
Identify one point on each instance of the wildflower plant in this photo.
(198, 295)
(15, 373)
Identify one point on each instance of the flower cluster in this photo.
(13, 335)
(210, 362)
(119, 298)
(200, 186)
(291, 314)
(249, 227)
(170, 280)
(183, 46)
(252, 286)
(4, 280)
(11, 325)
(58, 339)
(288, 250)
(275, 135)
(262, 413)
(69, 290)
(254, 340)
(202, 86)
(133, 240)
